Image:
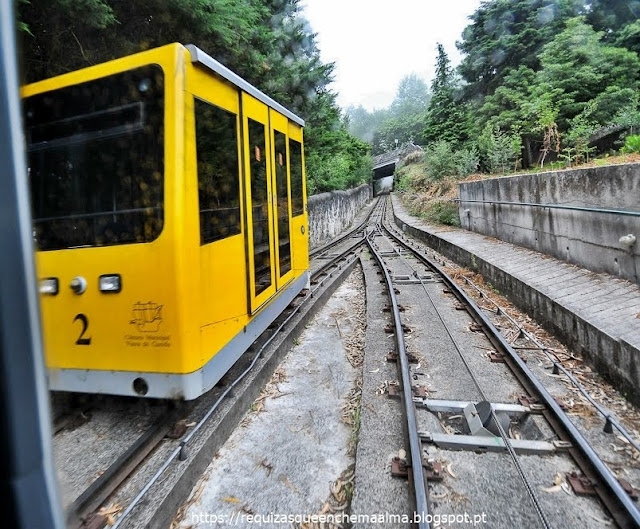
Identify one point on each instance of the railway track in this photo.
(489, 417)
(84, 512)
(404, 265)
(354, 232)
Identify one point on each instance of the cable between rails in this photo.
(514, 457)
(415, 444)
(622, 505)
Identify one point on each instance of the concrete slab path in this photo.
(293, 445)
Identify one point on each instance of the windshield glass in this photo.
(96, 161)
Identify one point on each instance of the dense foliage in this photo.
(540, 82)
(268, 42)
(403, 121)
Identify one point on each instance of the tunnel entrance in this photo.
(384, 167)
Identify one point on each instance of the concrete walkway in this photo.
(597, 315)
(284, 462)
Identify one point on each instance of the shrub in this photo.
(402, 182)
(440, 160)
(467, 161)
(443, 213)
(581, 129)
(631, 144)
(500, 150)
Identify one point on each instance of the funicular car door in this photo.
(281, 197)
(259, 196)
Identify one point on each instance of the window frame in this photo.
(92, 137)
(296, 212)
(239, 162)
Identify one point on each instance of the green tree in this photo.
(447, 117)
(577, 67)
(364, 124)
(610, 16)
(412, 97)
(507, 34)
(406, 117)
(404, 120)
(507, 107)
(267, 42)
(629, 37)
(499, 150)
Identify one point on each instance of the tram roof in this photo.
(200, 57)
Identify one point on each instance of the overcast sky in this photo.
(375, 43)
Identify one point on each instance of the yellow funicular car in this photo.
(169, 214)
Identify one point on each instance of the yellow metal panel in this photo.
(257, 111)
(144, 327)
(299, 223)
(180, 302)
(281, 124)
(223, 270)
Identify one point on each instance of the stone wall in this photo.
(331, 213)
(585, 238)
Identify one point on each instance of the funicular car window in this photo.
(295, 154)
(282, 194)
(96, 161)
(218, 172)
(259, 207)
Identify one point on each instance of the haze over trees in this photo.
(538, 79)
(267, 42)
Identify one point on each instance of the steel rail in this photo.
(180, 451)
(610, 419)
(329, 264)
(535, 501)
(78, 514)
(552, 206)
(85, 505)
(415, 443)
(621, 506)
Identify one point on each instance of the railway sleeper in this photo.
(418, 391)
(401, 468)
(583, 486)
(393, 357)
(387, 308)
(389, 328)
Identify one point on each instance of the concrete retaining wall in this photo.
(588, 239)
(331, 213)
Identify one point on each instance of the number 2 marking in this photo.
(85, 326)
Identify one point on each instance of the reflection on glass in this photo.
(259, 207)
(96, 161)
(280, 162)
(295, 154)
(218, 172)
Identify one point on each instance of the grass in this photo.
(442, 213)
(607, 159)
(432, 200)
